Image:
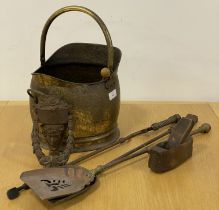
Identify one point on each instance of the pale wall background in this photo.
(170, 48)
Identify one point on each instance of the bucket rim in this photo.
(56, 59)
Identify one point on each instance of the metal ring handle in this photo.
(86, 11)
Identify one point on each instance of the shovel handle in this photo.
(88, 12)
(173, 119)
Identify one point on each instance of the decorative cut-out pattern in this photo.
(55, 185)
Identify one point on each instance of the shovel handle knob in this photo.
(15, 191)
(204, 128)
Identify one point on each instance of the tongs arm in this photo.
(145, 148)
(155, 126)
(130, 154)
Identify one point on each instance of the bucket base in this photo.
(91, 143)
(96, 142)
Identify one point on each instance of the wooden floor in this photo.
(194, 185)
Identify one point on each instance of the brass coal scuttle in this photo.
(74, 96)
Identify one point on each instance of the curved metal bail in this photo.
(86, 11)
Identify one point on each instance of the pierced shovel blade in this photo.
(53, 183)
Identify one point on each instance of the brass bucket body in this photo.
(73, 75)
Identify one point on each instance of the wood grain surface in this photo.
(215, 107)
(131, 185)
